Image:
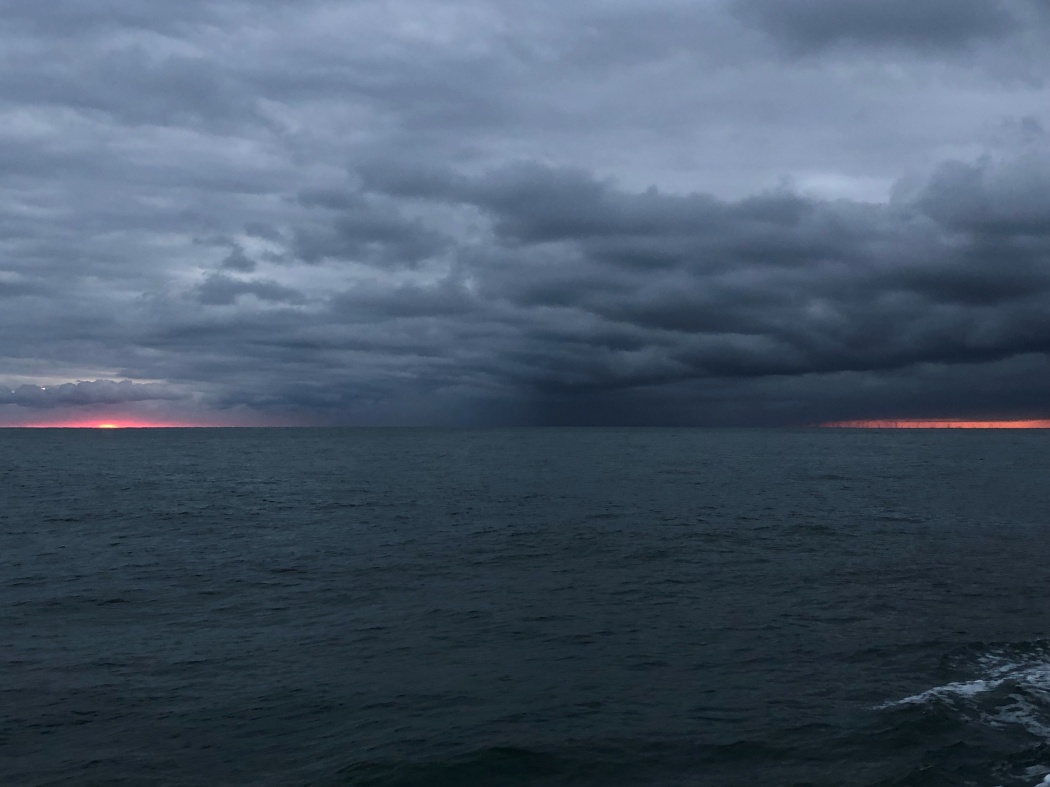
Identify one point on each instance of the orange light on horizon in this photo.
(932, 423)
(107, 426)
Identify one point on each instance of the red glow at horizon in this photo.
(930, 423)
(111, 423)
(101, 419)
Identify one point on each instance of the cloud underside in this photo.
(86, 393)
(808, 25)
(374, 234)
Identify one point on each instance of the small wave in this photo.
(945, 692)
(1011, 688)
(1004, 690)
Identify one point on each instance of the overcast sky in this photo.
(524, 211)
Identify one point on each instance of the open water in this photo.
(567, 607)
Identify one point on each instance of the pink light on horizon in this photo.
(107, 419)
(112, 423)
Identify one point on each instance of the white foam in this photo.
(1022, 700)
(967, 689)
(999, 669)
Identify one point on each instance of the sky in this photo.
(518, 212)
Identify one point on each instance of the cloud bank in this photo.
(86, 393)
(739, 212)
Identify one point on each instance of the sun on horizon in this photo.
(110, 424)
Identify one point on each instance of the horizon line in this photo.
(938, 423)
(882, 423)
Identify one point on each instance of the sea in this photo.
(604, 607)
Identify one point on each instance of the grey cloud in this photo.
(1008, 198)
(535, 204)
(805, 25)
(70, 16)
(535, 212)
(237, 260)
(18, 286)
(1017, 386)
(135, 87)
(772, 285)
(259, 230)
(220, 290)
(86, 393)
(363, 230)
(647, 292)
(447, 299)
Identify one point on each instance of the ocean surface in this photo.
(402, 608)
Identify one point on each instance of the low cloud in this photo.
(807, 25)
(86, 393)
(777, 284)
(220, 290)
(748, 211)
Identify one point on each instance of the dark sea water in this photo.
(535, 607)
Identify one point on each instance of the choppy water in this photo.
(532, 607)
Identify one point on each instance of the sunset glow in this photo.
(938, 424)
(111, 424)
(97, 419)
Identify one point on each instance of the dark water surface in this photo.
(530, 607)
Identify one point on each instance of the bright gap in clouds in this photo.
(935, 424)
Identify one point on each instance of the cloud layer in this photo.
(86, 393)
(467, 212)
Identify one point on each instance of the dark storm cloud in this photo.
(86, 393)
(997, 201)
(364, 230)
(777, 284)
(527, 212)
